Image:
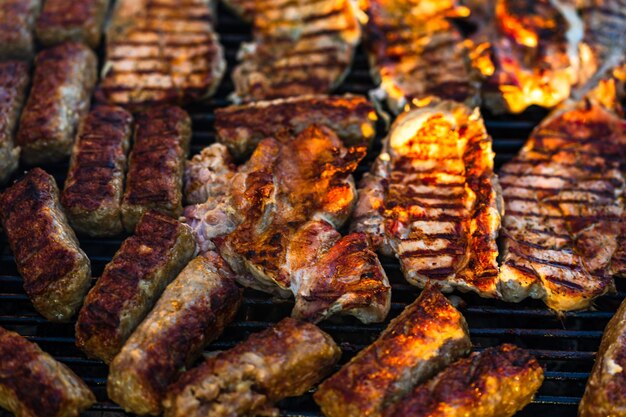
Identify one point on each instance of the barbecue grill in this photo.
(565, 345)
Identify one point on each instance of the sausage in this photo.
(132, 283)
(56, 272)
(17, 19)
(33, 384)
(94, 186)
(282, 361)
(80, 21)
(13, 83)
(157, 164)
(191, 313)
(64, 78)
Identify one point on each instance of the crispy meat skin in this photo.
(241, 128)
(132, 283)
(191, 313)
(563, 196)
(497, 382)
(157, 164)
(428, 335)
(80, 21)
(62, 84)
(17, 18)
(283, 361)
(33, 384)
(94, 185)
(56, 272)
(13, 83)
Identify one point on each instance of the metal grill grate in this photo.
(565, 346)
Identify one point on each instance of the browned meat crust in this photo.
(17, 18)
(95, 181)
(13, 83)
(241, 128)
(618, 261)
(497, 382)
(56, 272)
(132, 283)
(80, 21)
(62, 84)
(191, 313)
(282, 361)
(33, 384)
(428, 335)
(157, 164)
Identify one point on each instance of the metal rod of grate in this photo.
(564, 345)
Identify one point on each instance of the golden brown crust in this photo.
(13, 83)
(80, 21)
(17, 19)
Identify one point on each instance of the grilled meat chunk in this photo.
(618, 261)
(241, 128)
(13, 83)
(17, 19)
(427, 336)
(432, 199)
(94, 185)
(79, 21)
(564, 201)
(62, 84)
(157, 164)
(497, 382)
(161, 52)
(208, 174)
(191, 313)
(282, 361)
(33, 384)
(56, 272)
(132, 283)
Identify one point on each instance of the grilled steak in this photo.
(191, 313)
(33, 384)
(208, 174)
(132, 283)
(282, 361)
(13, 83)
(80, 21)
(161, 51)
(94, 184)
(428, 335)
(62, 84)
(17, 19)
(432, 199)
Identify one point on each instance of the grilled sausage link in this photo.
(33, 384)
(192, 312)
(13, 82)
(80, 21)
(282, 361)
(17, 18)
(132, 283)
(56, 272)
(62, 84)
(94, 186)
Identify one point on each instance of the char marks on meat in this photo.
(13, 83)
(62, 21)
(17, 20)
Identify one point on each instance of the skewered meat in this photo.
(17, 19)
(432, 199)
(94, 186)
(497, 382)
(33, 384)
(241, 128)
(56, 272)
(80, 21)
(427, 336)
(161, 52)
(62, 84)
(13, 83)
(132, 283)
(282, 361)
(192, 312)
(208, 174)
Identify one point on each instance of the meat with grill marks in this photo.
(564, 204)
(432, 199)
(13, 84)
(62, 21)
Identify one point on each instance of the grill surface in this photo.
(565, 346)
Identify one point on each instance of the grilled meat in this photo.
(241, 128)
(432, 199)
(95, 180)
(618, 261)
(161, 51)
(13, 83)
(192, 312)
(33, 384)
(428, 335)
(62, 84)
(17, 19)
(79, 21)
(244, 8)
(497, 382)
(282, 361)
(132, 283)
(605, 394)
(157, 164)
(208, 174)
(56, 272)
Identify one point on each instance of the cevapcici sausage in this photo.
(13, 83)
(17, 18)
(81, 21)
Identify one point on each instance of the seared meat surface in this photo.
(62, 20)
(208, 174)
(17, 20)
(13, 83)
